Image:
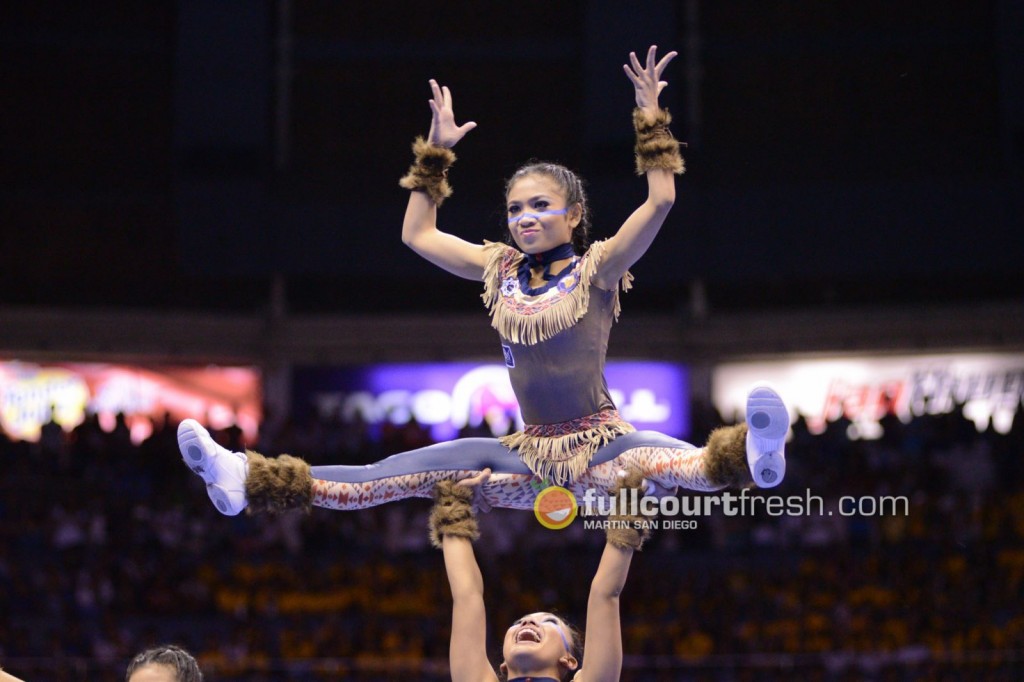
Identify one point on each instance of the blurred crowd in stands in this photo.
(107, 548)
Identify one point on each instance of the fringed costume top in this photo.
(555, 340)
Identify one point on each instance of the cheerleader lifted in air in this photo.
(552, 298)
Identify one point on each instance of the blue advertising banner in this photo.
(453, 397)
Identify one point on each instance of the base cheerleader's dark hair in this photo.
(186, 669)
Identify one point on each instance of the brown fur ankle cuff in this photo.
(655, 146)
(452, 513)
(726, 457)
(429, 172)
(277, 484)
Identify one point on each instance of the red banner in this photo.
(30, 394)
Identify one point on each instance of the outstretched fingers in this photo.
(635, 63)
(660, 67)
(651, 71)
(442, 96)
(654, 67)
(631, 75)
(646, 78)
(444, 130)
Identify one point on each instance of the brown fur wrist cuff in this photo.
(628, 531)
(452, 513)
(655, 146)
(627, 538)
(429, 172)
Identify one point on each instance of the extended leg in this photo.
(509, 491)
(235, 481)
(687, 468)
(734, 455)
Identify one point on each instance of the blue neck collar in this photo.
(545, 259)
(524, 272)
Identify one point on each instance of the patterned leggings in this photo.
(667, 462)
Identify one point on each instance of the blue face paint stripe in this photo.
(541, 214)
(564, 640)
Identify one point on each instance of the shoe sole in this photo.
(767, 425)
(197, 451)
(223, 500)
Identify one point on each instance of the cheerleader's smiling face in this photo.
(538, 641)
(538, 218)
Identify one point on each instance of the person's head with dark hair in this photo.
(164, 664)
(547, 207)
(541, 640)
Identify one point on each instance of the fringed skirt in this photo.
(562, 452)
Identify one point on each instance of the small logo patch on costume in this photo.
(568, 283)
(509, 360)
(509, 285)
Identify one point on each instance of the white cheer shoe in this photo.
(767, 425)
(224, 471)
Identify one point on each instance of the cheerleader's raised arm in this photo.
(428, 180)
(657, 158)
